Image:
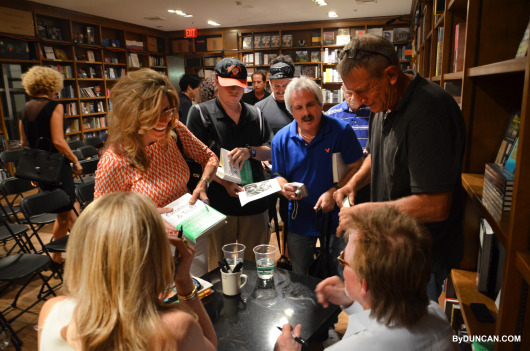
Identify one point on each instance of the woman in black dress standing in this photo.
(42, 127)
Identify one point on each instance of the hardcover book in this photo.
(287, 40)
(339, 167)
(226, 170)
(301, 56)
(247, 43)
(196, 220)
(508, 140)
(48, 52)
(257, 42)
(523, 45)
(266, 41)
(328, 38)
(275, 41)
(90, 56)
(61, 54)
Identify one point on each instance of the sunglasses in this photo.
(356, 54)
(341, 260)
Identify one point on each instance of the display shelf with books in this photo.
(135, 41)
(112, 37)
(85, 33)
(482, 41)
(53, 28)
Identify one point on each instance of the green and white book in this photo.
(232, 173)
(196, 220)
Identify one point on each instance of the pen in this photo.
(237, 268)
(180, 232)
(227, 266)
(222, 266)
(295, 338)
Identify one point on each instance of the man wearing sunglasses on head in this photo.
(416, 144)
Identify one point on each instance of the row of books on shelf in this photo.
(330, 55)
(331, 75)
(305, 56)
(258, 58)
(52, 53)
(94, 91)
(92, 107)
(94, 122)
(490, 263)
(332, 96)
(90, 72)
(67, 92)
(158, 61)
(114, 73)
(309, 71)
(70, 109)
(498, 189)
(65, 70)
(404, 52)
(134, 44)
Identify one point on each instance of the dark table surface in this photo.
(248, 321)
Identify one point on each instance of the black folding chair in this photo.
(85, 193)
(16, 232)
(94, 141)
(75, 144)
(14, 188)
(88, 151)
(89, 169)
(10, 158)
(47, 202)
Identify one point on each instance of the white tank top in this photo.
(60, 316)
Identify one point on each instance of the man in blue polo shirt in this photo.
(352, 112)
(302, 152)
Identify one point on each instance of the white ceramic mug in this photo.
(233, 282)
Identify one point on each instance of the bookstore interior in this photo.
(477, 50)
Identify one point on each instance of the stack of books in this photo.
(498, 189)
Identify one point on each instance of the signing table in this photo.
(249, 321)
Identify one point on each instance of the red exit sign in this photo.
(191, 33)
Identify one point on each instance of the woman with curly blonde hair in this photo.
(41, 126)
(113, 290)
(142, 154)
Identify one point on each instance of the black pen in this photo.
(227, 265)
(222, 266)
(298, 339)
(237, 268)
(180, 232)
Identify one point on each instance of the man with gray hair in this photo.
(302, 152)
(416, 145)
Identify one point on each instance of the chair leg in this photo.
(13, 335)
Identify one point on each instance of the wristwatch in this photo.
(206, 181)
(252, 151)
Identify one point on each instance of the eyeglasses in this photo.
(341, 260)
(356, 54)
(169, 112)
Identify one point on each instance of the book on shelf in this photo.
(90, 56)
(196, 220)
(339, 168)
(311, 71)
(328, 38)
(287, 40)
(439, 7)
(60, 54)
(275, 41)
(343, 39)
(316, 39)
(301, 56)
(523, 45)
(486, 256)
(257, 42)
(388, 35)
(378, 31)
(439, 51)
(247, 43)
(459, 46)
(510, 162)
(266, 41)
(508, 140)
(48, 52)
(401, 34)
(133, 60)
(315, 56)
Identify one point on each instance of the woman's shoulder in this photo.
(48, 306)
(182, 327)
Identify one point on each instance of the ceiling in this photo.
(229, 13)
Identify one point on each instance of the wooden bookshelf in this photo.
(494, 84)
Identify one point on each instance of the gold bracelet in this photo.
(191, 296)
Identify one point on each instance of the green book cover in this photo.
(196, 220)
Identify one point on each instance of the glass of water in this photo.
(233, 253)
(265, 255)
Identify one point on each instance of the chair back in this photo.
(94, 141)
(10, 157)
(78, 154)
(85, 193)
(89, 166)
(75, 144)
(15, 186)
(45, 202)
(88, 151)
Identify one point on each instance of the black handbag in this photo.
(40, 166)
(195, 168)
(324, 265)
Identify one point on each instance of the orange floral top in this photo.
(164, 180)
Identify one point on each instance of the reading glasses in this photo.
(341, 260)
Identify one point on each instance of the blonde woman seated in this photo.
(119, 265)
(142, 154)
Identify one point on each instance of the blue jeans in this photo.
(301, 250)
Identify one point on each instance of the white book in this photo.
(48, 52)
(258, 190)
(196, 220)
(339, 167)
(134, 62)
(226, 170)
(90, 56)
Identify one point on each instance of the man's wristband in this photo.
(251, 150)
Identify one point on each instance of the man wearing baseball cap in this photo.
(227, 122)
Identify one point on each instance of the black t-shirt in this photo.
(416, 149)
(184, 106)
(251, 98)
(275, 113)
(36, 117)
(217, 130)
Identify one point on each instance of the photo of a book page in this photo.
(258, 190)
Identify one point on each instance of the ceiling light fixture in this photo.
(213, 23)
(332, 14)
(320, 2)
(178, 12)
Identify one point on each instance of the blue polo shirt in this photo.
(358, 121)
(311, 163)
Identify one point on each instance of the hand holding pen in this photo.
(289, 340)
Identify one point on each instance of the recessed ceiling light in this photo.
(332, 14)
(188, 16)
(320, 2)
(213, 23)
(181, 13)
(171, 11)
